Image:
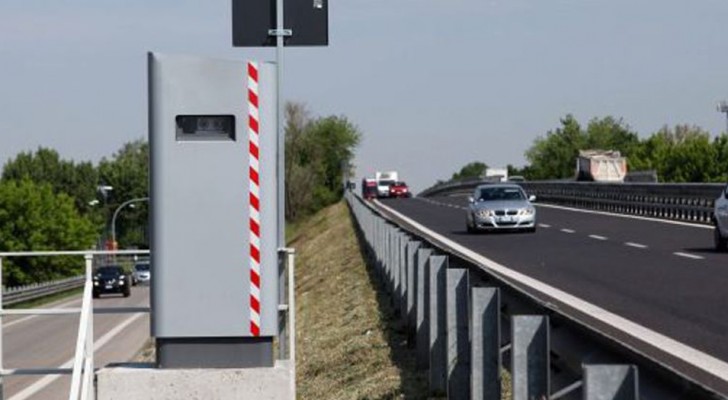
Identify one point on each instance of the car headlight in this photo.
(96, 283)
(486, 213)
(121, 282)
(527, 211)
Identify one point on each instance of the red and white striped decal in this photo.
(254, 172)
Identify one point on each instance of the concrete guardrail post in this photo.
(403, 277)
(530, 357)
(422, 326)
(458, 336)
(438, 325)
(485, 343)
(610, 382)
(411, 308)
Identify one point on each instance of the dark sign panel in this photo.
(308, 21)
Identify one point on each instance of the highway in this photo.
(662, 275)
(49, 341)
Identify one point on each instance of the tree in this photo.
(33, 218)
(77, 180)
(682, 154)
(554, 156)
(300, 178)
(473, 169)
(318, 152)
(609, 133)
(128, 173)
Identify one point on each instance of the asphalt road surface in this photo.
(49, 341)
(663, 276)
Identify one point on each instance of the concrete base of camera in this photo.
(143, 382)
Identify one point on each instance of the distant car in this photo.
(111, 279)
(516, 178)
(720, 220)
(141, 274)
(399, 189)
(501, 206)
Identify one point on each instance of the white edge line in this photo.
(47, 380)
(638, 217)
(636, 245)
(696, 358)
(688, 255)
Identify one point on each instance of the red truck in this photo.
(369, 189)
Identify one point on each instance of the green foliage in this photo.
(77, 180)
(128, 173)
(33, 218)
(681, 154)
(318, 152)
(471, 170)
(553, 157)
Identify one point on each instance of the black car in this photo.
(111, 279)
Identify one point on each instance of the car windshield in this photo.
(110, 270)
(400, 183)
(501, 194)
(142, 267)
(386, 183)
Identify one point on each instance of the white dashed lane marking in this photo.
(544, 225)
(597, 237)
(636, 245)
(688, 255)
(568, 230)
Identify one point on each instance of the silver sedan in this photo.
(501, 207)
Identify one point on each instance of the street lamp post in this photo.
(723, 108)
(116, 213)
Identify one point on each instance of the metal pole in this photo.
(90, 327)
(116, 213)
(292, 317)
(2, 367)
(281, 172)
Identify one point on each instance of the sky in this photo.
(431, 84)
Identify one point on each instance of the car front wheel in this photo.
(721, 242)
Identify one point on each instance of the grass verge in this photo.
(348, 344)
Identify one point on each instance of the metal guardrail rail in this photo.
(554, 347)
(690, 202)
(18, 294)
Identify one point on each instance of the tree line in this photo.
(683, 153)
(51, 203)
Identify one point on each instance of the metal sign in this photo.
(306, 23)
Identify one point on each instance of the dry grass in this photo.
(347, 344)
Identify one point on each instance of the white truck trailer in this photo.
(601, 166)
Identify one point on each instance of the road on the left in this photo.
(49, 341)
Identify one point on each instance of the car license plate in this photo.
(109, 286)
(505, 219)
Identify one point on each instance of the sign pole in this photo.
(281, 158)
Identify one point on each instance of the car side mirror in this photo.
(532, 198)
(471, 200)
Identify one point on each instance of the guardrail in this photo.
(464, 315)
(18, 294)
(690, 202)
